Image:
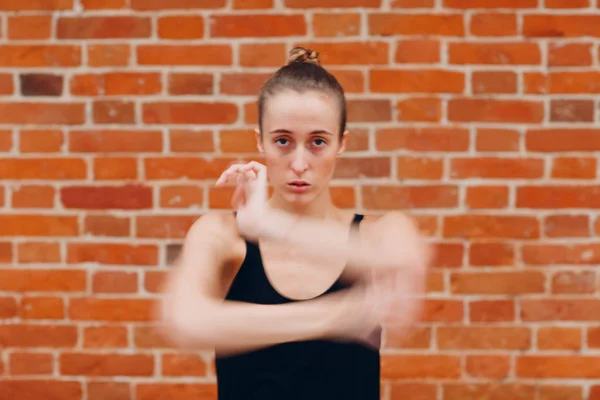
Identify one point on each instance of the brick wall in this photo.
(479, 116)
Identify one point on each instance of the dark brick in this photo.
(41, 85)
(572, 111)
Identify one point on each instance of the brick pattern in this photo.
(479, 117)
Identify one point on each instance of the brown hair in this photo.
(302, 73)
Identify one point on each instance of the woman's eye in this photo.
(320, 142)
(281, 141)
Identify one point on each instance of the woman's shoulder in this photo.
(377, 224)
(221, 228)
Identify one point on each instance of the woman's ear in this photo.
(258, 137)
(343, 142)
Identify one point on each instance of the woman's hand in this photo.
(250, 196)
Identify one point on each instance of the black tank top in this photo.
(305, 370)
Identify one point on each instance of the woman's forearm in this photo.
(332, 241)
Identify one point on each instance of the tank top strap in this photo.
(357, 219)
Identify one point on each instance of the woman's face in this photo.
(300, 142)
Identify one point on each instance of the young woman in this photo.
(291, 291)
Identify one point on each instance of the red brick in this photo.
(184, 55)
(30, 280)
(422, 139)
(115, 141)
(115, 168)
(165, 227)
(386, 24)
(180, 391)
(558, 366)
(560, 309)
(106, 225)
(33, 252)
(181, 27)
(257, 25)
(556, 196)
(23, 335)
(416, 81)
(156, 5)
(559, 338)
(476, 391)
(579, 282)
(42, 308)
(481, 197)
(126, 197)
(496, 168)
(38, 225)
(29, 27)
(41, 141)
(40, 389)
(181, 196)
(105, 27)
(369, 110)
(185, 167)
(350, 53)
(490, 254)
(108, 390)
(485, 82)
(492, 311)
(336, 24)
(106, 364)
(566, 3)
(186, 141)
(557, 254)
(500, 111)
(569, 82)
(569, 54)
(420, 168)
(189, 113)
(36, 5)
(33, 197)
(6, 84)
(412, 4)
(112, 254)
(251, 4)
(412, 338)
(351, 81)
(30, 363)
(567, 226)
(419, 51)
(488, 366)
(465, 4)
(8, 310)
(190, 83)
(103, 4)
(499, 338)
(6, 140)
(242, 83)
(43, 168)
(332, 3)
(115, 282)
(6, 252)
(493, 24)
(111, 310)
(262, 55)
(497, 283)
(494, 53)
(448, 255)
(42, 113)
(442, 311)
(396, 366)
(113, 112)
(116, 83)
(491, 226)
(561, 26)
(108, 55)
(183, 365)
(359, 167)
(562, 140)
(402, 197)
(557, 392)
(572, 111)
(39, 55)
(574, 167)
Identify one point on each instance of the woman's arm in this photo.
(392, 241)
(194, 313)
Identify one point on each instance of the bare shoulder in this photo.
(375, 226)
(219, 229)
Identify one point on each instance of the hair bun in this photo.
(303, 55)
